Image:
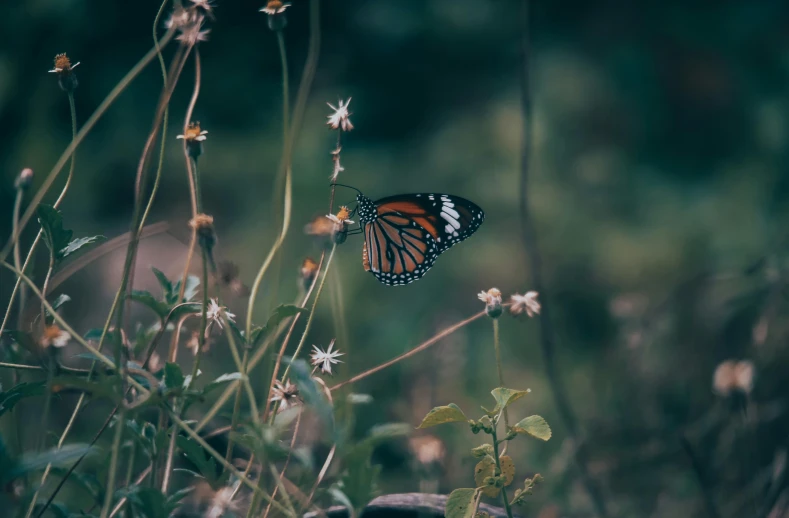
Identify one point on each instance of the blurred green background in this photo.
(658, 185)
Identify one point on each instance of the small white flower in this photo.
(214, 314)
(527, 303)
(287, 394)
(339, 119)
(325, 358)
(54, 337)
(193, 35)
(339, 222)
(490, 297)
(205, 5)
(275, 7)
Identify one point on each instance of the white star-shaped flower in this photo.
(325, 358)
(527, 303)
(339, 119)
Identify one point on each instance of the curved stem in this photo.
(92, 120)
(20, 193)
(421, 347)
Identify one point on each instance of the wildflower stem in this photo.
(203, 323)
(109, 488)
(532, 250)
(86, 128)
(20, 194)
(500, 367)
(311, 314)
(419, 348)
(45, 286)
(44, 419)
(498, 468)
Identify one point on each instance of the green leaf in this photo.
(173, 377)
(17, 393)
(164, 282)
(77, 244)
(146, 299)
(443, 414)
(460, 503)
(238, 334)
(192, 282)
(505, 397)
(486, 468)
(55, 236)
(204, 463)
(279, 314)
(57, 457)
(60, 300)
(535, 426)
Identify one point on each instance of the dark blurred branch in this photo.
(530, 243)
(406, 505)
(709, 502)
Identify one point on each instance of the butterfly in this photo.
(404, 234)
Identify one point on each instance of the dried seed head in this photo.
(64, 70)
(194, 136)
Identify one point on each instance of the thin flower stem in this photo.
(338, 312)
(421, 347)
(218, 404)
(109, 488)
(168, 465)
(16, 230)
(532, 250)
(321, 474)
(498, 467)
(45, 286)
(92, 120)
(310, 317)
(285, 466)
(203, 323)
(44, 420)
(20, 194)
(500, 367)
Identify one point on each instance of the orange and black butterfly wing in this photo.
(397, 250)
(408, 232)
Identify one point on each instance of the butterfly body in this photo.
(405, 234)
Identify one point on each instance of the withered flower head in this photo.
(24, 179)
(287, 394)
(339, 119)
(527, 303)
(53, 336)
(308, 271)
(341, 223)
(203, 224)
(733, 376)
(492, 300)
(275, 9)
(194, 136)
(64, 69)
(214, 314)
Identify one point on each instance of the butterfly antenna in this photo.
(347, 187)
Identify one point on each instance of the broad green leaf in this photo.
(57, 457)
(146, 299)
(76, 244)
(505, 397)
(173, 377)
(443, 414)
(460, 503)
(204, 463)
(55, 236)
(164, 282)
(279, 314)
(18, 392)
(535, 426)
(60, 300)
